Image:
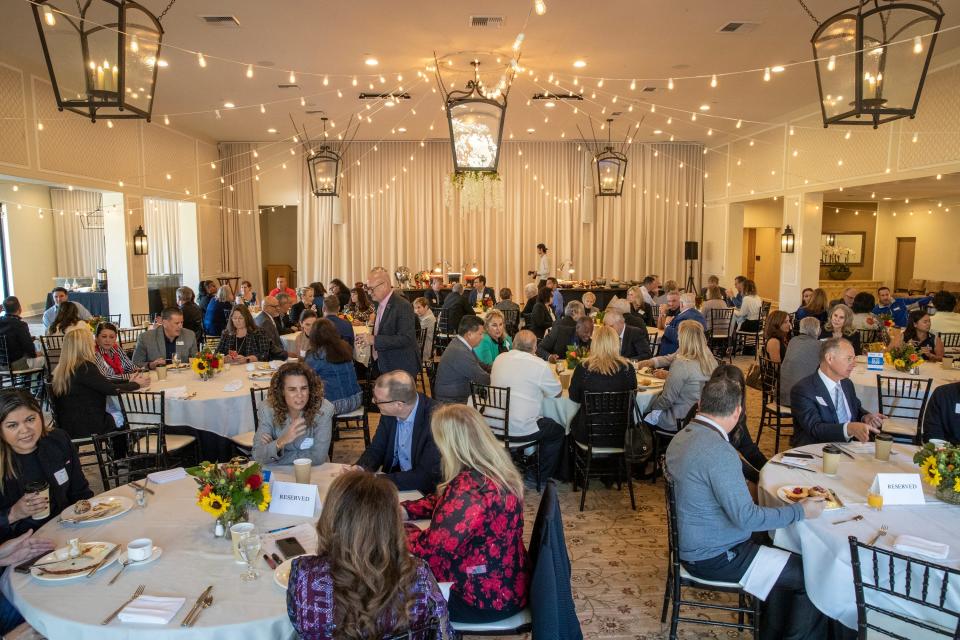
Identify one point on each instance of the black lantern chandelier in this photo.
(475, 116)
(872, 60)
(324, 162)
(787, 240)
(140, 246)
(610, 165)
(103, 58)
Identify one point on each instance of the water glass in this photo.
(249, 548)
(875, 501)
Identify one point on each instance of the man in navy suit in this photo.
(825, 406)
(481, 292)
(403, 447)
(394, 339)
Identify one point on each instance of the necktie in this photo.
(843, 416)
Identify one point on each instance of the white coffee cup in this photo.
(237, 531)
(251, 366)
(140, 549)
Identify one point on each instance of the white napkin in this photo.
(176, 393)
(276, 364)
(235, 385)
(797, 462)
(151, 610)
(169, 475)
(445, 589)
(913, 544)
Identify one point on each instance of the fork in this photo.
(880, 534)
(196, 614)
(136, 594)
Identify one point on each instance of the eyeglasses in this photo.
(379, 402)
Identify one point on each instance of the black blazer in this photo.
(941, 419)
(555, 343)
(814, 421)
(455, 306)
(640, 317)
(540, 319)
(487, 292)
(432, 297)
(55, 453)
(396, 340)
(192, 318)
(424, 455)
(82, 412)
(19, 341)
(293, 316)
(635, 344)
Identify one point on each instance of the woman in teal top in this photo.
(496, 340)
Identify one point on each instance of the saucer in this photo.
(157, 552)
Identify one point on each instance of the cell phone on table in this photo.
(290, 547)
(24, 567)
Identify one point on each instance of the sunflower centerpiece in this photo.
(228, 491)
(904, 358)
(206, 364)
(940, 468)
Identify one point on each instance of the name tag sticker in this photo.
(306, 444)
(179, 343)
(821, 401)
(293, 499)
(956, 408)
(899, 488)
(61, 477)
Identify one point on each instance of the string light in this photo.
(713, 81)
(249, 70)
(540, 6)
(201, 60)
(766, 74)
(670, 84)
(293, 78)
(166, 120)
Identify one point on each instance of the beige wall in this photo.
(763, 213)
(33, 264)
(937, 256)
(845, 220)
(277, 229)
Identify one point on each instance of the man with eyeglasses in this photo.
(403, 447)
(267, 321)
(393, 341)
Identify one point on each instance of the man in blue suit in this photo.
(670, 341)
(825, 406)
(394, 339)
(480, 292)
(403, 447)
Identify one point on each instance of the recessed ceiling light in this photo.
(888, 198)
(579, 64)
(229, 105)
(271, 130)
(550, 104)
(370, 61)
(704, 107)
(531, 130)
(777, 69)
(657, 132)
(402, 129)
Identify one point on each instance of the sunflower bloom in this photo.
(956, 485)
(265, 489)
(214, 505)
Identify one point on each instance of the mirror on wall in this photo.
(845, 247)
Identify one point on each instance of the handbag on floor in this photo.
(753, 377)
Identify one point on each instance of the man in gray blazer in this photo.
(267, 321)
(157, 346)
(459, 365)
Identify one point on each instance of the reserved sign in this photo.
(875, 362)
(294, 499)
(899, 488)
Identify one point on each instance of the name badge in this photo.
(821, 402)
(179, 343)
(61, 477)
(307, 443)
(899, 488)
(293, 499)
(956, 408)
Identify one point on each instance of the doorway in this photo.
(906, 250)
(761, 260)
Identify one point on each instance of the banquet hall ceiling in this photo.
(646, 40)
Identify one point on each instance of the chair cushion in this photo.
(507, 624)
(243, 440)
(174, 442)
(601, 450)
(772, 406)
(686, 575)
(900, 426)
(353, 415)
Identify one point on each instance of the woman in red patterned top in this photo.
(475, 537)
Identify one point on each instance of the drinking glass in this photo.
(875, 501)
(249, 548)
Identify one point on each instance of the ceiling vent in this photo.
(649, 89)
(221, 21)
(738, 27)
(486, 22)
(287, 85)
(313, 112)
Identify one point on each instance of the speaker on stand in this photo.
(690, 254)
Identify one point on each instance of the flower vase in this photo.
(229, 518)
(946, 493)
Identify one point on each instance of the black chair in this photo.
(679, 578)
(606, 416)
(511, 320)
(244, 441)
(356, 422)
(654, 339)
(147, 409)
(772, 413)
(915, 582)
(139, 319)
(127, 455)
(753, 338)
(493, 403)
(424, 362)
(128, 339)
(903, 400)
(4, 355)
(655, 313)
(951, 343)
(868, 336)
(51, 346)
(718, 336)
(114, 318)
(661, 440)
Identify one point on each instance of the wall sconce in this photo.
(140, 247)
(787, 240)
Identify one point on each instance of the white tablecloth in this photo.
(866, 381)
(824, 546)
(192, 559)
(564, 410)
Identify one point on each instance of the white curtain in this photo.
(393, 217)
(80, 249)
(239, 215)
(161, 223)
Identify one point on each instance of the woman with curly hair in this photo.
(362, 583)
(295, 421)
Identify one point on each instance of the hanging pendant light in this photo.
(872, 60)
(787, 240)
(475, 116)
(611, 168)
(102, 56)
(323, 165)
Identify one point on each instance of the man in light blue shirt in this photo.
(557, 301)
(59, 297)
(403, 445)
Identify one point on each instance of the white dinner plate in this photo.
(260, 375)
(281, 575)
(788, 489)
(157, 552)
(113, 506)
(70, 568)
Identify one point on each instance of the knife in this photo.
(109, 555)
(196, 605)
(790, 466)
(142, 488)
(844, 452)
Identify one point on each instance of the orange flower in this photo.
(206, 490)
(888, 323)
(914, 357)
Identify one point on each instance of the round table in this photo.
(192, 559)
(824, 545)
(564, 410)
(865, 381)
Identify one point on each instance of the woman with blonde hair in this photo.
(475, 537)
(839, 324)
(495, 341)
(690, 370)
(218, 310)
(817, 307)
(362, 583)
(603, 370)
(80, 390)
